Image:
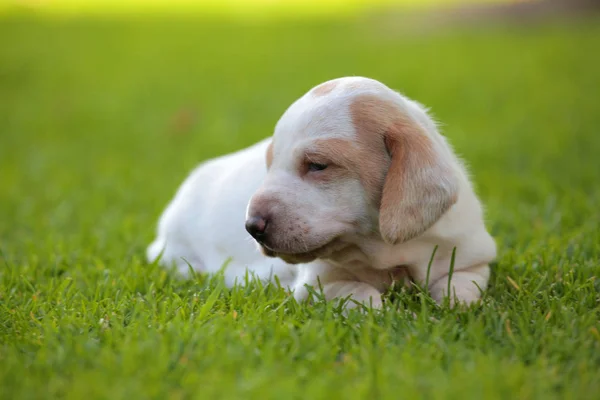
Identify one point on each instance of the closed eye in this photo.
(314, 167)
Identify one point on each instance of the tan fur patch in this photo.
(324, 88)
(418, 187)
(269, 155)
(371, 116)
(357, 85)
(362, 159)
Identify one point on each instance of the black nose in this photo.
(256, 226)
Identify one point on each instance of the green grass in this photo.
(100, 120)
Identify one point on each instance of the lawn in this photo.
(101, 119)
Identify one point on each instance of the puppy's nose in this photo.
(256, 226)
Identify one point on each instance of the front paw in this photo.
(464, 293)
(359, 292)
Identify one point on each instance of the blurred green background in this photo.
(106, 106)
(104, 112)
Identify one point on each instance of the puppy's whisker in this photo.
(304, 244)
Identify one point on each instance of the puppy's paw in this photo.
(465, 288)
(359, 292)
(460, 294)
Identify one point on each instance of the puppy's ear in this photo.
(420, 185)
(269, 155)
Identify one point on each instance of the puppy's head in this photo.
(350, 158)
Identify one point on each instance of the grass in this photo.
(101, 119)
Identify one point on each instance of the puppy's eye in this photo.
(313, 167)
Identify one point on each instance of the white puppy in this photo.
(358, 190)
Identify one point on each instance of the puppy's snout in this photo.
(257, 227)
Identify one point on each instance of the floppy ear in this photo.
(420, 185)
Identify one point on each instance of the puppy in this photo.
(358, 190)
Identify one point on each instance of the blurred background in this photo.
(105, 106)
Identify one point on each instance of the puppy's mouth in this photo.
(302, 257)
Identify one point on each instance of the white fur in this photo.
(335, 222)
(203, 226)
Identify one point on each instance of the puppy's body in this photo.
(203, 226)
(360, 189)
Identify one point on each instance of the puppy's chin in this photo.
(301, 258)
(288, 258)
(297, 258)
(266, 252)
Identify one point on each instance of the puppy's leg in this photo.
(465, 286)
(359, 291)
(336, 283)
